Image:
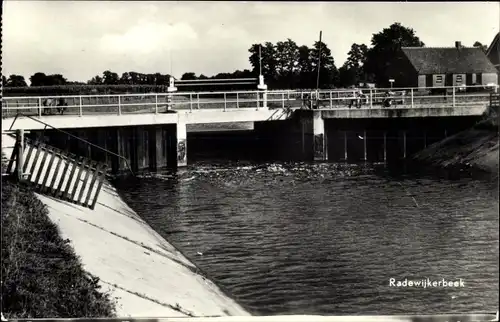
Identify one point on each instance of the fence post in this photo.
(39, 107)
(119, 105)
(225, 102)
(453, 95)
(156, 103)
(237, 100)
(411, 97)
(80, 105)
(283, 100)
(371, 98)
(191, 102)
(331, 99)
(198, 100)
(20, 153)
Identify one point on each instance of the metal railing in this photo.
(119, 104)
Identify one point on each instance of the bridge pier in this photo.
(180, 144)
(158, 148)
(404, 144)
(314, 145)
(142, 148)
(385, 146)
(345, 146)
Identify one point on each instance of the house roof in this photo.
(449, 60)
(493, 51)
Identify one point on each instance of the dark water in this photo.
(326, 238)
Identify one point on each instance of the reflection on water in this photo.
(326, 238)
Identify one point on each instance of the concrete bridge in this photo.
(151, 129)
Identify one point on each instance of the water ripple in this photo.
(298, 238)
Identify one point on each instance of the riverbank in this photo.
(41, 274)
(141, 271)
(475, 148)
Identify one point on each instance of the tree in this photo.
(4, 80)
(110, 78)
(352, 72)
(328, 73)
(15, 81)
(125, 79)
(188, 76)
(348, 76)
(385, 44)
(38, 79)
(160, 79)
(56, 79)
(305, 68)
(96, 80)
(478, 44)
(269, 61)
(356, 57)
(287, 60)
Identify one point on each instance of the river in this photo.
(327, 238)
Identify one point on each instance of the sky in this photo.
(81, 39)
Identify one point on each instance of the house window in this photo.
(439, 79)
(458, 78)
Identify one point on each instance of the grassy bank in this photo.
(41, 274)
(475, 148)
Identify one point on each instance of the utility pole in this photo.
(319, 60)
(260, 59)
(319, 66)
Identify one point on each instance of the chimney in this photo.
(458, 44)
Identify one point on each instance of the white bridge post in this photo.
(262, 87)
(171, 88)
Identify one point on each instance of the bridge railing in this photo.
(335, 98)
(378, 97)
(134, 103)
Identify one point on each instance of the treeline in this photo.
(284, 64)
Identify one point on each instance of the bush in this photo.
(41, 274)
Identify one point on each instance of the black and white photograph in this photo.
(249, 161)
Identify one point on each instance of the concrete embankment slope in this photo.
(475, 148)
(147, 275)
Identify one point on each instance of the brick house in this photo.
(437, 67)
(493, 52)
